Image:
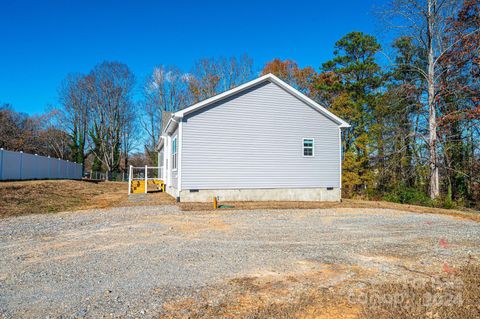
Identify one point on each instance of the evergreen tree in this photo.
(356, 90)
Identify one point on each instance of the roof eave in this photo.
(172, 124)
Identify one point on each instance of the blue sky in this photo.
(43, 41)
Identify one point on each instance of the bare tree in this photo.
(166, 90)
(205, 79)
(9, 128)
(130, 136)
(234, 71)
(426, 22)
(33, 134)
(55, 136)
(21, 132)
(110, 84)
(76, 99)
(211, 76)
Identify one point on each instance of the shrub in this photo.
(448, 201)
(408, 195)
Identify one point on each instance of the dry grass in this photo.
(270, 296)
(346, 203)
(447, 296)
(454, 296)
(318, 304)
(50, 196)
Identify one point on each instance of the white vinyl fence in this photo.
(19, 165)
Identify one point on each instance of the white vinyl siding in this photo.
(253, 140)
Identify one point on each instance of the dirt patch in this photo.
(439, 295)
(297, 295)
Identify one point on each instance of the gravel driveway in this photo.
(129, 261)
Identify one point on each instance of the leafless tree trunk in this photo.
(425, 22)
(432, 110)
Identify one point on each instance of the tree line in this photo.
(413, 105)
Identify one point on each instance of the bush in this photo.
(448, 202)
(408, 195)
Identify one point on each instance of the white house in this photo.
(263, 140)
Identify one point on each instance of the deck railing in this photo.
(144, 173)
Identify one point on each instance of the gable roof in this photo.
(268, 77)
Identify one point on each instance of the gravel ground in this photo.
(127, 262)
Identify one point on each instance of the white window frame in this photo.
(313, 146)
(174, 154)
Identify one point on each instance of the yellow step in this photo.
(138, 186)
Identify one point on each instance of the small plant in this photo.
(448, 201)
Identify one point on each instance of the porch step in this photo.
(156, 185)
(138, 186)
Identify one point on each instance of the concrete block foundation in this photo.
(297, 194)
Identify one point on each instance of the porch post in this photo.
(146, 172)
(130, 180)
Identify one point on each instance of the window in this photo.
(174, 153)
(308, 147)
